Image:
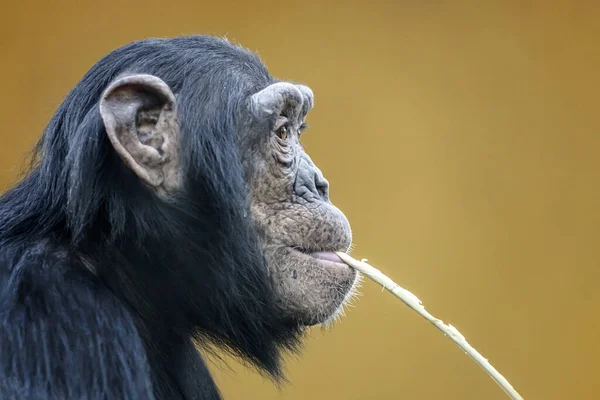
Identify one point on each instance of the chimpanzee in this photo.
(169, 207)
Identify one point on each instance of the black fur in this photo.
(103, 287)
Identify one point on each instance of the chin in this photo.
(312, 287)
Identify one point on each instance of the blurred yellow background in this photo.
(460, 139)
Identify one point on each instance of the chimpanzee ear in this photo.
(139, 114)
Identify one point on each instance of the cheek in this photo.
(273, 171)
(271, 184)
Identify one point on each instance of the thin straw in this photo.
(413, 302)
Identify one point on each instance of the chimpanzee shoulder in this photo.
(62, 333)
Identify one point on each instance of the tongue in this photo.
(327, 256)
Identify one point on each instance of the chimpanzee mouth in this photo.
(322, 255)
(327, 256)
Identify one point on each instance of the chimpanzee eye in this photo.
(282, 132)
(303, 127)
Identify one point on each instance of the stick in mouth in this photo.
(413, 302)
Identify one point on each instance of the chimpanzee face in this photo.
(300, 229)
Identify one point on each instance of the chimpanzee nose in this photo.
(310, 183)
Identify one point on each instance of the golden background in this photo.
(460, 139)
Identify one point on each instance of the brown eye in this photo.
(282, 132)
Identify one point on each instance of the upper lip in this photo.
(316, 250)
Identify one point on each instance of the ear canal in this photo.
(273, 99)
(139, 116)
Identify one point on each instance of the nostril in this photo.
(322, 187)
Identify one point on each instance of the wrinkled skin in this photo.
(298, 224)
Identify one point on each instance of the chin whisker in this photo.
(349, 301)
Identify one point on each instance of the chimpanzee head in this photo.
(172, 131)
